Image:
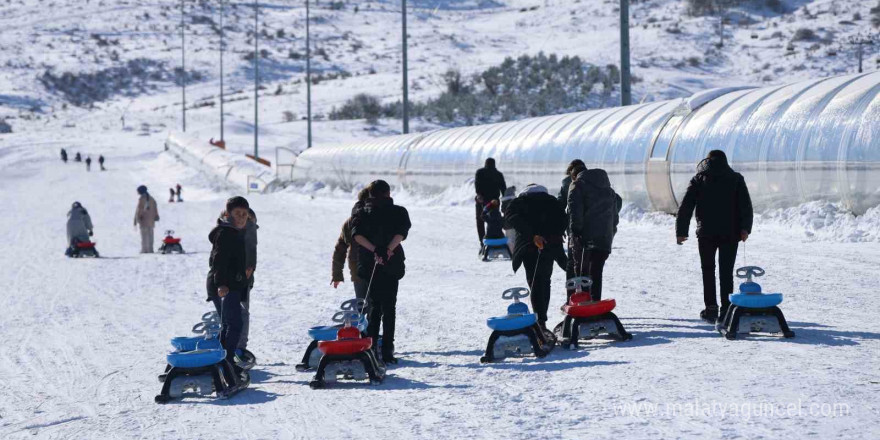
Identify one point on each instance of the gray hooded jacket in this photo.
(594, 209)
(79, 224)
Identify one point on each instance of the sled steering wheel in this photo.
(206, 328)
(749, 271)
(515, 293)
(344, 316)
(211, 317)
(169, 233)
(579, 283)
(354, 304)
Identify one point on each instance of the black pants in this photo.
(590, 263)
(481, 227)
(726, 249)
(383, 309)
(539, 268)
(231, 323)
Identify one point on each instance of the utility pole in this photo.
(625, 81)
(860, 41)
(222, 42)
(183, 61)
(308, 81)
(256, 80)
(405, 80)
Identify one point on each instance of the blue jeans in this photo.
(231, 322)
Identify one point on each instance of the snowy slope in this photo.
(673, 54)
(85, 339)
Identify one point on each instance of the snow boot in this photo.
(709, 314)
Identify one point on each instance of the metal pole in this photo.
(183, 62)
(222, 42)
(308, 80)
(256, 81)
(625, 87)
(860, 56)
(405, 80)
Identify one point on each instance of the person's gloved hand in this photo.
(157, 218)
(91, 233)
(381, 254)
(539, 242)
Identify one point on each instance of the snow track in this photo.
(83, 340)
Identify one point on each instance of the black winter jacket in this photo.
(536, 214)
(227, 260)
(722, 203)
(379, 220)
(562, 196)
(489, 184)
(594, 209)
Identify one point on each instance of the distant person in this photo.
(594, 212)
(146, 215)
(346, 246)
(171, 196)
(89, 163)
(179, 197)
(539, 222)
(101, 162)
(489, 185)
(724, 218)
(77, 158)
(64, 155)
(227, 281)
(79, 227)
(250, 265)
(379, 227)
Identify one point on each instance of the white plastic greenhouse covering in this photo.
(234, 168)
(811, 140)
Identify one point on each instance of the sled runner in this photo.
(517, 333)
(751, 310)
(587, 319)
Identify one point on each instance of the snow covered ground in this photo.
(85, 339)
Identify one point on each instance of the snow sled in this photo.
(170, 244)
(198, 366)
(349, 356)
(587, 319)
(320, 333)
(495, 248)
(517, 333)
(751, 310)
(80, 249)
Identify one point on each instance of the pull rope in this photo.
(369, 288)
(535, 273)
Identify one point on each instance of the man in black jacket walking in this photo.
(227, 281)
(539, 222)
(594, 210)
(724, 218)
(379, 226)
(489, 185)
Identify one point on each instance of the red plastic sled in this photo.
(85, 244)
(579, 306)
(348, 341)
(171, 240)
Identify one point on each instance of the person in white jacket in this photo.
(146, 215)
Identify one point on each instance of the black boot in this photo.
(710, 314)
(388, 353)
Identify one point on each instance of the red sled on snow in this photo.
(587, 319)
(171, 244)
(80, 249)
(350, 356)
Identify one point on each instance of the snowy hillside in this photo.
(122, 58)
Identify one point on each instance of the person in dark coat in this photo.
(250, 263)
(489, 185)
(179, 197)
(562, 196)
(89, 163)
(101, 162)
(171, 196)
(594, 212)
(724, 218)
(494, 220)
(539, 222)
(379, 226)
(227, 282)
(346, 246)
(78, 157)
(64, 155)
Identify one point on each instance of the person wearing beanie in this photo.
(145, 216)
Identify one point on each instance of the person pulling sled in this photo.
(79, 229)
